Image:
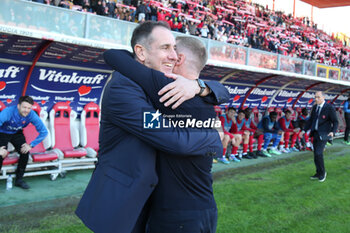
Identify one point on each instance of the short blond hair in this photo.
(195, 50)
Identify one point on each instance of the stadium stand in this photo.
(235, 22)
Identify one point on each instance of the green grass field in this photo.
(274, 197)
(283, 199)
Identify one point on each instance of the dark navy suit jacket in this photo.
(327, 121)
(125, 175)
(185, 183)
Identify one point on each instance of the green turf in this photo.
(283, 199)
(272, 196)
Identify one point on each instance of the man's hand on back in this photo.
(25, 148)
(3, 152)
(179, 91)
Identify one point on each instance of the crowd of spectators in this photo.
(236, 22)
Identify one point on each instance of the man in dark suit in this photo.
(183, 199)
(115, 199)
(323, 124)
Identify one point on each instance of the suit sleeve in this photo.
(334, 119)
(150, 80)
(153, 81)
(219, 93)
(126, 104)
(308, 122)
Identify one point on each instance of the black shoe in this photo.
(22, 184)
(253, 155)
(322, 178)
(314, 177)
(259, 153)
(246, 156)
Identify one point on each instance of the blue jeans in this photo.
(268, 137)
(184, 221)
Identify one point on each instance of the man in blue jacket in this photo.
(183, 199)
(116, 197)
(12, 120)
(272, 131)
(346, 109)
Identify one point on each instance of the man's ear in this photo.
(180, 59)
(140, 53)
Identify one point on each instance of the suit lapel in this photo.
(323, 109)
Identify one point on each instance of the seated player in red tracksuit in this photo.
(288, 129)
(251, 127)
(235, 139)
(239, 127)
(304, 138)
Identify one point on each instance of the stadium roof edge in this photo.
(277, 72)
(327, 3)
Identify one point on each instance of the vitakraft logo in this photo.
(151, 120)
(155, 120)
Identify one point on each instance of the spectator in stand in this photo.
(141, 11)
(110, 7)
(288, 129)
(78, 2)
(271, 131)
(346, 110)
(135, 3)
(220, 31)
(153, 12)
(227, 121)
(254, 41)
(192, 28)
(101, 8)
(86, 6)
(12, 121)
(127, 2)
(38, 1)
(252, 128)
(204, 31)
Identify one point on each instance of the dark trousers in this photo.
(347, 129)
(184, 221)
(17, 141)
(319, 146)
